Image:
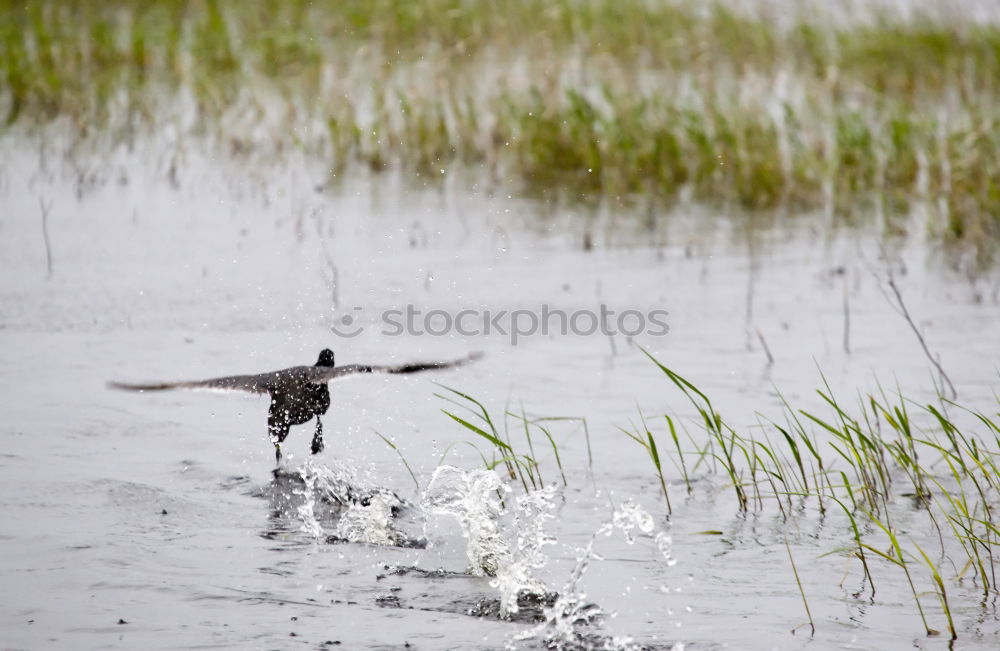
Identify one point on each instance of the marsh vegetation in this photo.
(809, 191)
(864, 116)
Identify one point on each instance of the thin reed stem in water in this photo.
(900, 305)
(802, 592)
(402, 458)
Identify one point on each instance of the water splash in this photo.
(664, 542)
(370, 521)
(334, 484)
(570, 622)
(630, 517)
(307, 510)
(566, 621)
(627, 518)
(471, 498)
(517, 576)
(363, 514)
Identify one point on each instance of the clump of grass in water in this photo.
(519, 465)
(719, 432)
(807, 114)
(877, 447)
(646, 440)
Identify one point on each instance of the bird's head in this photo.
(325, 358)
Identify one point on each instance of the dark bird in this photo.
(297, 393)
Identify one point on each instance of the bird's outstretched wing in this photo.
(260, 383)
(319, 374)
(287, 378)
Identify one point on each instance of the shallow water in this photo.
(161, 511)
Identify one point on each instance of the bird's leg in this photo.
(317, 442)
(277, 430)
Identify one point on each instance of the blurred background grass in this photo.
(865, 115)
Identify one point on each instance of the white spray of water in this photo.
(533, 511)
(627, 518)
(307, 510)
(570, 613)
(470, 497)
(370, 522)
(630, 517)
(568, 624)
(367, 520)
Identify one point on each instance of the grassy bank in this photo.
(638, 103)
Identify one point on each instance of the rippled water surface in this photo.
(156, 520)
